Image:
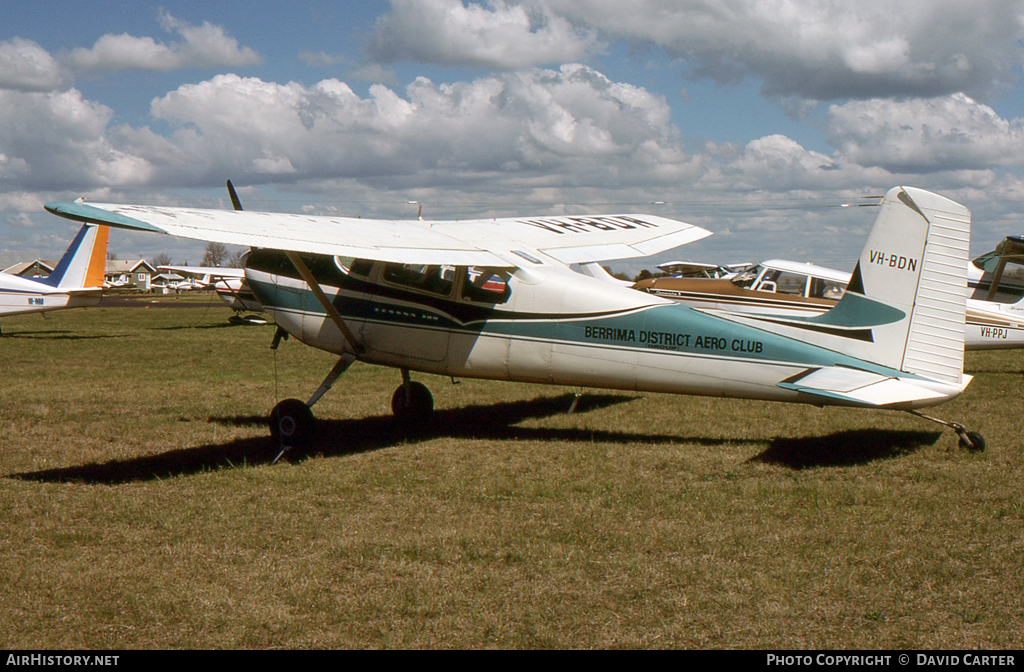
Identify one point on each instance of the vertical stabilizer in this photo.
(84, 262)
(916, 260)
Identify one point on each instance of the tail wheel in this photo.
(292, 424)
(412, 402)
(972, 441)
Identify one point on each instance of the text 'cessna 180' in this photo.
(497, 299)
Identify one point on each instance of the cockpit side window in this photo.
(1010, 284)
(437, 280)
(486, 285)
(783, 283)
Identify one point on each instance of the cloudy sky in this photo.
(758, 119)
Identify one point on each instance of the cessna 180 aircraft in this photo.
(995, 303)
(497, 299)
(76, 281)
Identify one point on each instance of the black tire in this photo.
(977, 442)
(292, 424)
(412, 402)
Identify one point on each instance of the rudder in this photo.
(915, 260)
(84, 262)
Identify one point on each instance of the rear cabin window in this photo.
(826, 289)
(437, 280)
(486, 285)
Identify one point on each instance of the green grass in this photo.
(139, 507)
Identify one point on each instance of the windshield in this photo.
(746, 278)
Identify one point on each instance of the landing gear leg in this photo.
(412, 401)
(575, 400)
(972, 441)
(292, 424)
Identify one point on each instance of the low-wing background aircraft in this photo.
(497, 299)
(995, 304)
(231, 288)
(76, 281)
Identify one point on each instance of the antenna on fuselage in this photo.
(235, 203)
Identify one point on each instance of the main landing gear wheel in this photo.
(412, 402)
(292, 424)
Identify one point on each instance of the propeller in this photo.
(235, 203)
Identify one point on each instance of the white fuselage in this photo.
(22, 295)
(557, 327)
(989, 325)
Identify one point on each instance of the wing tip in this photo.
(88, 214)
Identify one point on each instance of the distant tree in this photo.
(111, 255)
(235, 260)
(216, 255)
(162, 259)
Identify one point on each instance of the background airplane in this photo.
(231, 288)
(995, 303)
(497, 299)
(76, 281)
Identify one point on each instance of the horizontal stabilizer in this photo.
(863, 388)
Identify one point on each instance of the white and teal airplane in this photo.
(76, 281)
(496, 299)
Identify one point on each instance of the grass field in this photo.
(139, 507)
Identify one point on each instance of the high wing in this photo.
(482, 242)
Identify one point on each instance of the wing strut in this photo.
(332, 312)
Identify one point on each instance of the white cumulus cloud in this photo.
(926, 135)
(499, 36)
(60, 140)
(202, 46)
(26, 66)
(534, 119)
(821, 49)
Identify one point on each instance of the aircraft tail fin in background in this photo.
(84, 262)
(915, 261)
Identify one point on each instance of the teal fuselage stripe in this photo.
(672, 328)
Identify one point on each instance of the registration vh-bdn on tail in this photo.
(497, 299)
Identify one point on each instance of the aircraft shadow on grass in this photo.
(845, 449)
(183, 327)
(346, 437)
(59, 335)
(496, 422)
